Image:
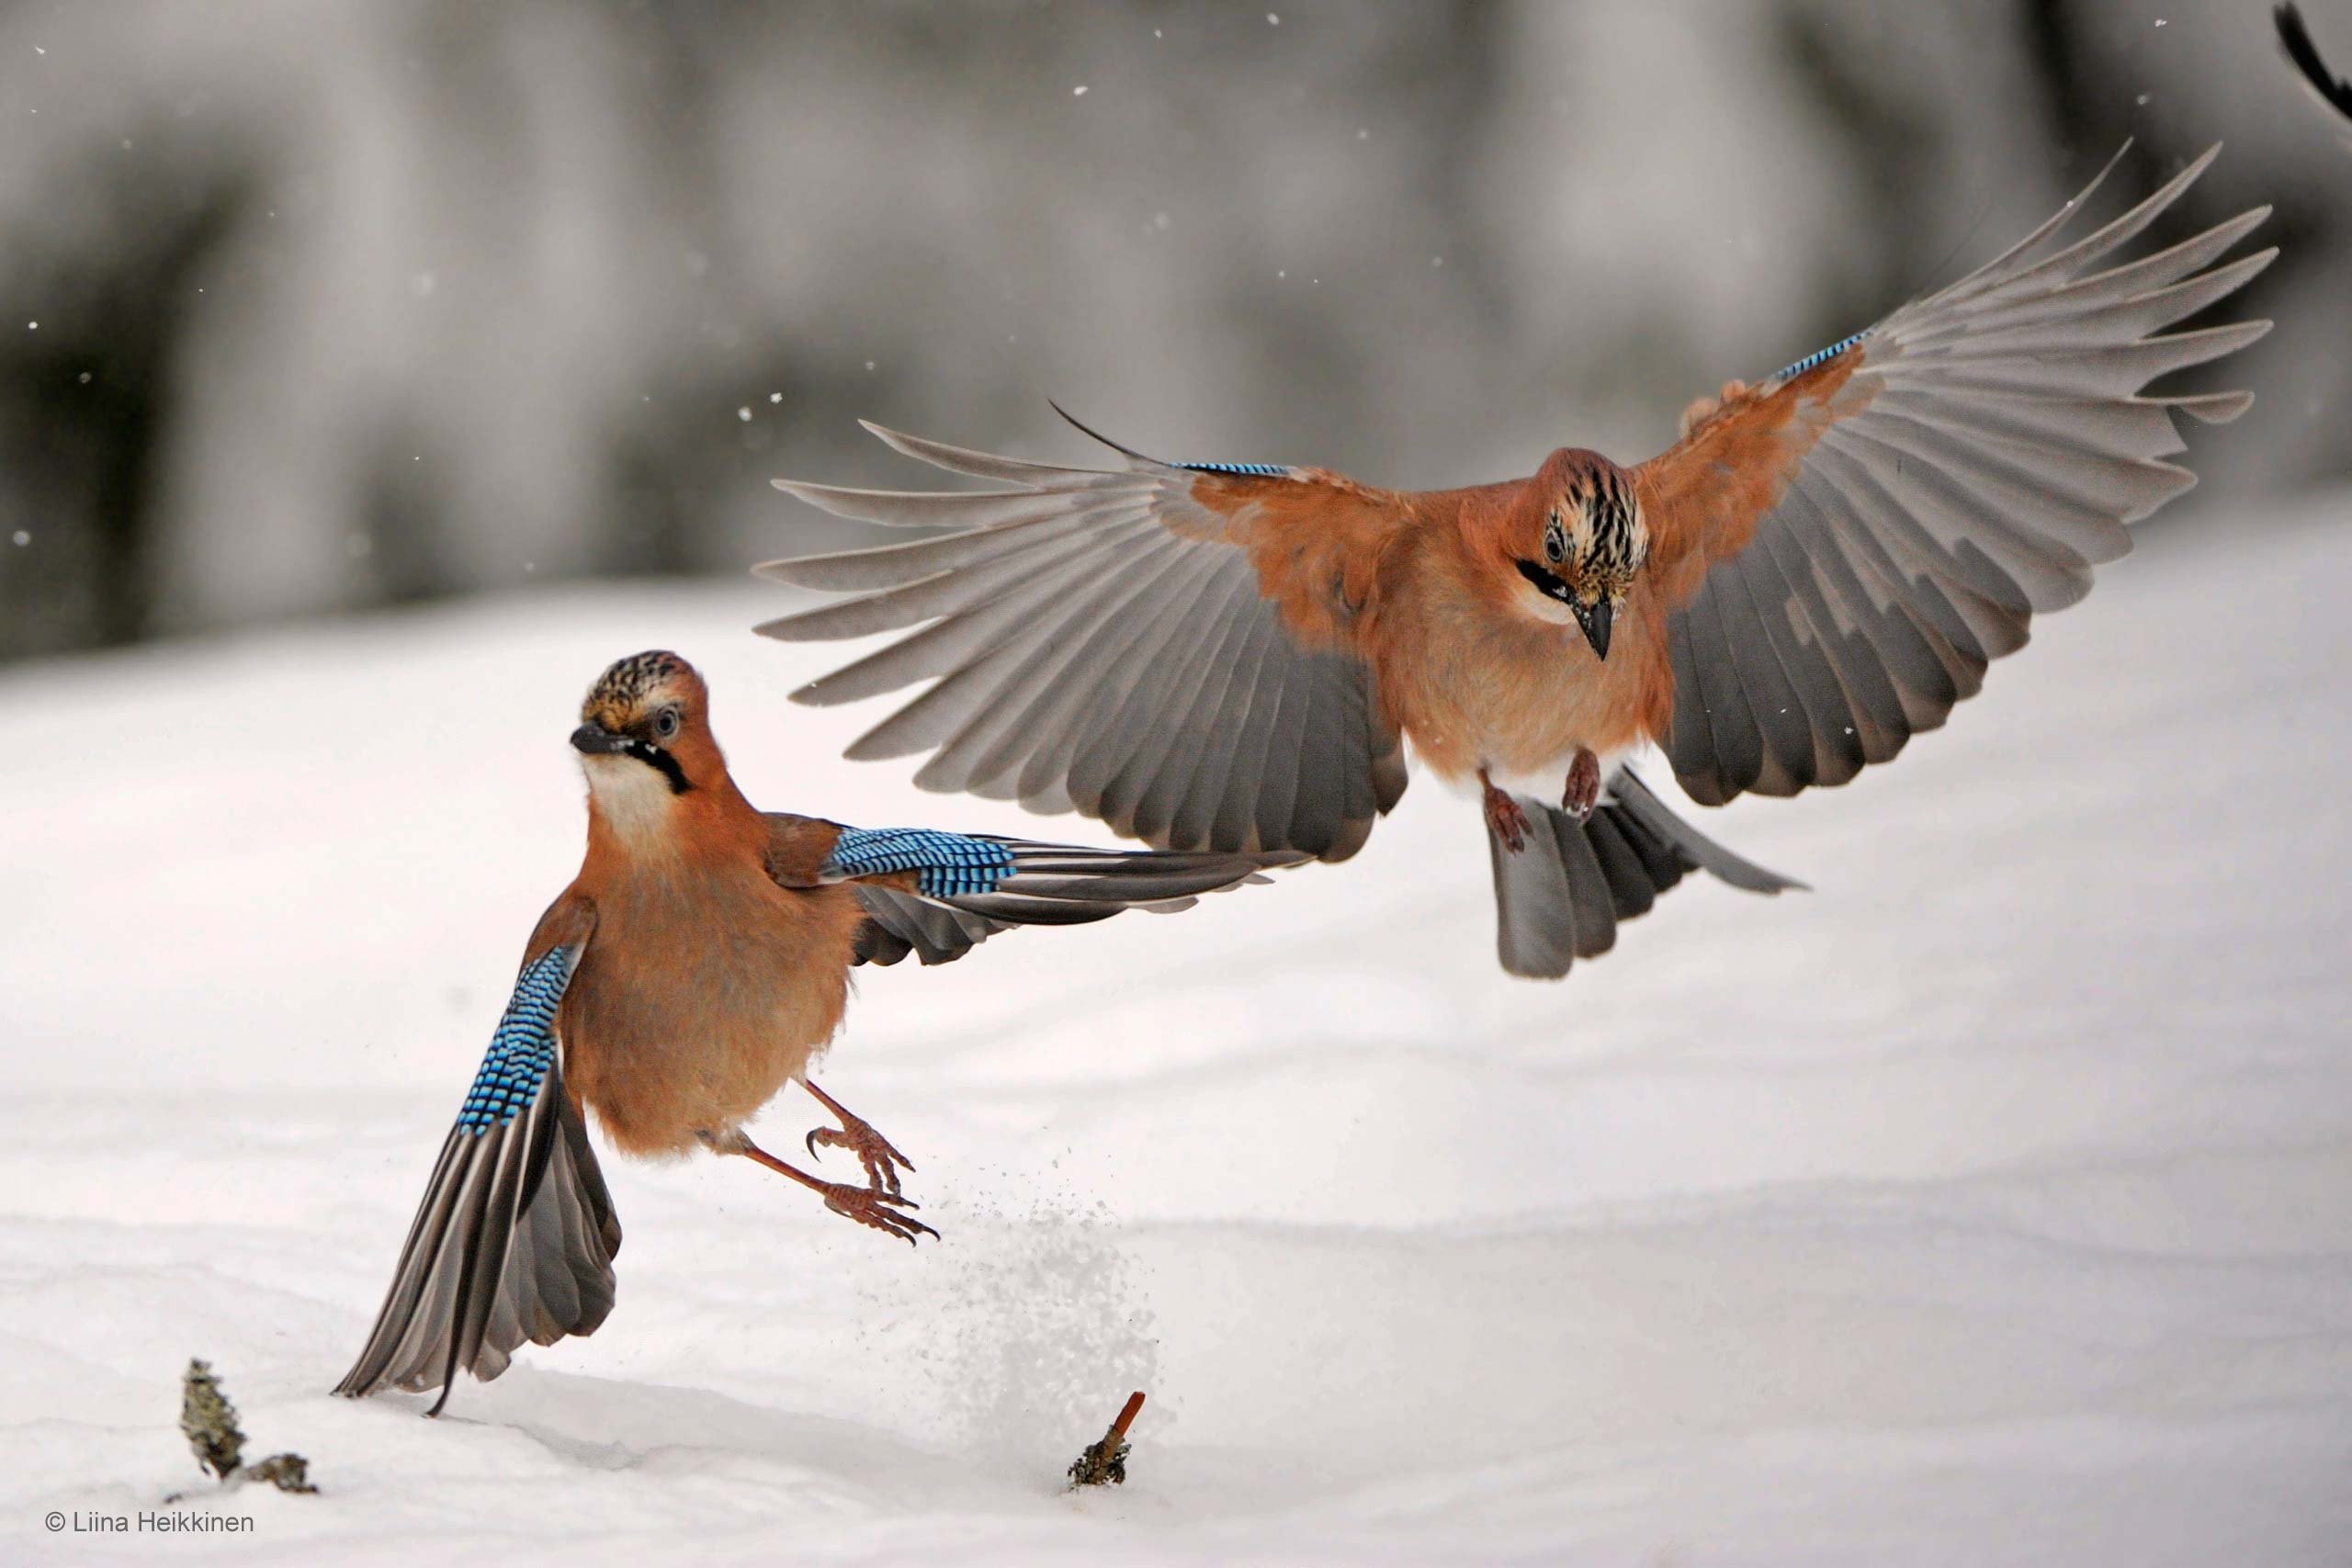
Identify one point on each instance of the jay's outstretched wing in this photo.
(939, 895)
(515, 1238)
(1168, 648)
(1843, 548)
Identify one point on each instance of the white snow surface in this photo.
(1992, 1204)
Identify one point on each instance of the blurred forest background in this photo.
(314, 307)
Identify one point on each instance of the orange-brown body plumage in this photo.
(1420, 585)
(707, 990)
(709, 987)
(1471, 684)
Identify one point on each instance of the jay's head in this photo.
(645, 732)
(1575, 543)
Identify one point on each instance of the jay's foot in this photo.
(882, 1162)
(1505, 817)
(1584, 785)
(870, 1206)
(866, 1205)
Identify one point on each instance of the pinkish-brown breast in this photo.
(1473, 684)
(704, 990)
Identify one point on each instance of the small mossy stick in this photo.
(209, 1423)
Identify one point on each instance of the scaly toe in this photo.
(1507, 819)
(866, 1206)
(1582, 793)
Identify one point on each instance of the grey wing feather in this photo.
(1099, 645)
(898, 923)
(1560, 897)
(515, 1240)
(2005, 444)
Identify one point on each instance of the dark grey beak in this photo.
(1595, 621)
(595, 740)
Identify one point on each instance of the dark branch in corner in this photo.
(2334, 91)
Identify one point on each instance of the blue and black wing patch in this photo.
(1820, 356)
(946, 865)
(1248, 470)
(515, 1238)
(522, 1053)
(969, 886)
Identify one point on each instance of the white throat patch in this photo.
(1533, 602)
(632, 797)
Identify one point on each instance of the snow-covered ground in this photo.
(1991, 1204)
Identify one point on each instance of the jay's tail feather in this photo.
(1559, 897)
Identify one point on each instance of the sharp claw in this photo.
(1504, 818)
(878, 1210)
(1582, 795)
(876, 1155)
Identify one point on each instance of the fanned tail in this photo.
(1560, 897)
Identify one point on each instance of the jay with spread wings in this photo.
(1232, 656)
(697, 963)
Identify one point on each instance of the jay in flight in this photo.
(698, 961)
(1231, 655)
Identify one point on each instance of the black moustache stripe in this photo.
(1545, 582)
(662, 764)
